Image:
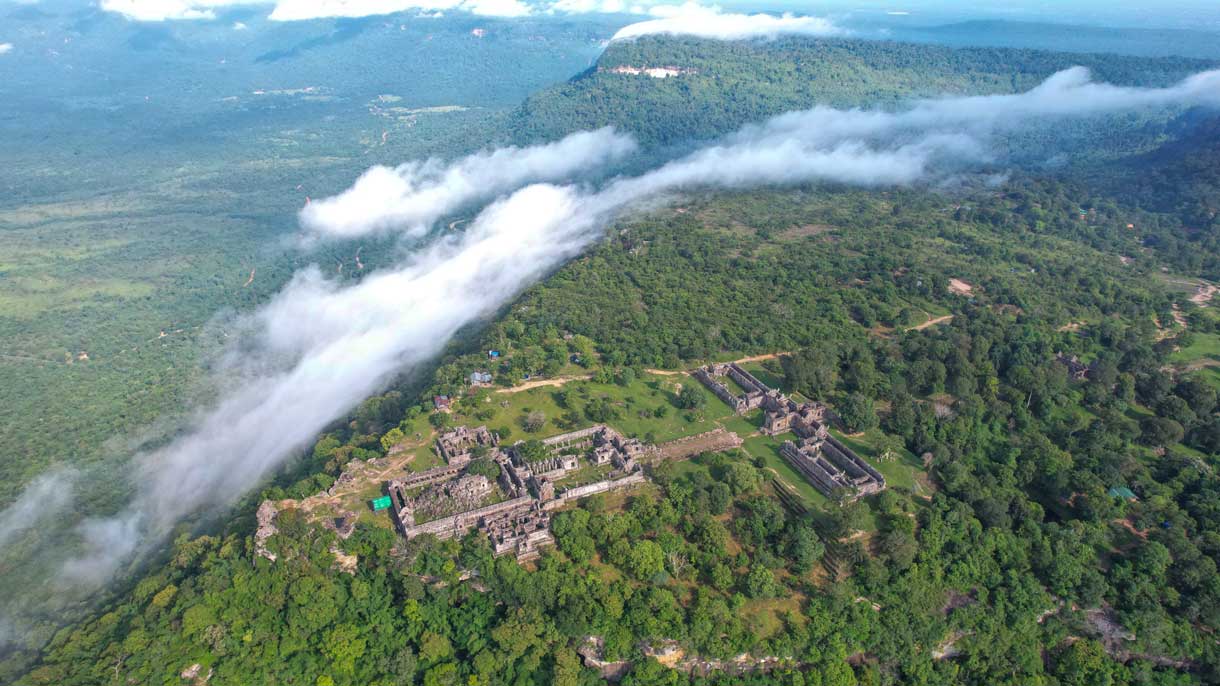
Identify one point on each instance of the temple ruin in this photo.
(1077, 370)
(833, 468)
(755, 391)
(449, 501)
(456, 447)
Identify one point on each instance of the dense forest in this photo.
(723, 85)
(1054, 527)
(1015, 541)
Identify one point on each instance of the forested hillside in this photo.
(722, 85)
(1163, 161)
(1030, 363)
(1004, 533)
(1180, 179)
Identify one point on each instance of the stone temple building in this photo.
(455, 446)
(448, 501)
(833, 468)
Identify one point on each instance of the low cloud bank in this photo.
(164, 10)
(46, 497)
(596, 7)
(321, 347)
(413, 196)
(298, 10)
(690, 18)
(693, 19)
(5, 48)
(301, 10)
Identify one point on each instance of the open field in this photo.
(1202, 355)
(902, 472)
(767, 448)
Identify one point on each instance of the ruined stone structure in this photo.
(1077, 370)
(266, 528)
(520, 531)
(431, 476)
(344, 524)
(806, 420)
(755, 394)
(543, 488)
(832, 467)
(554, 467)
(455, 446)
(714, 441)
(520, 524)
(514, 477)
(460, 523)
(611, 447)
(579, 492)
(573, 440)
(463, 493)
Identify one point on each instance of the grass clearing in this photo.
(902, 472)
(744, 425)
(764, 375)
(767, 448)
(766, 617)
(636, 407)
(1202, 357)
(1204, 346)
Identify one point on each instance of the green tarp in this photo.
(381, 503)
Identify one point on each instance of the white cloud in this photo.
(591, 7)
(300, 10)
(320, 346)
(163, 10)
(497, 8)
(693, 19)
(296, 10)
(44, 498)
(690, 18)
(239, 26)
(415, 195)
(6, 48)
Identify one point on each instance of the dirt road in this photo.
(541, 383)
(930, 322)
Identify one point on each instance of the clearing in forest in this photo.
(960, 287)
(931, 322)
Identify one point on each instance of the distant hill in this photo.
(713, 87)
(1180, 179)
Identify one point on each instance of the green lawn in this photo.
(1205, 346)
(1205, 349)
(899, 473)
(680, 469)
(772, 380)
(767, 448)
(734, 387)
(635, 405)
(743, 425)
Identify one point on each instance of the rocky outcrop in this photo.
(266, 529)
